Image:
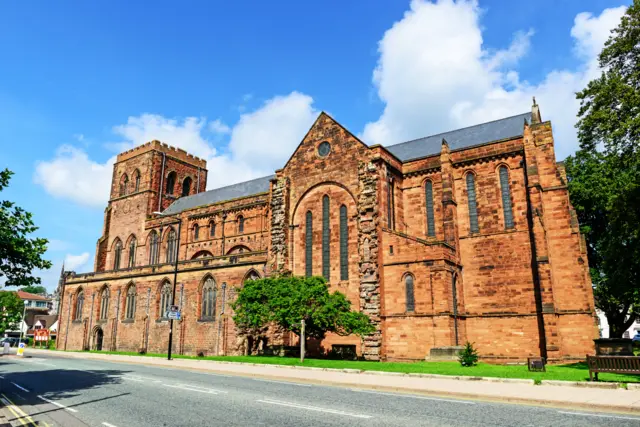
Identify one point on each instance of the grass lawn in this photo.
(572, 372)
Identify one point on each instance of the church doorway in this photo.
(97, 339)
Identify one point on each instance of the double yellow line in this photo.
(19, 413)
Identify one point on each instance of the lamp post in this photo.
(24, 310)
(175, 279)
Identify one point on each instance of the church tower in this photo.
(145, 179)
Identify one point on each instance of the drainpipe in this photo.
(455, 305)
(164, 157)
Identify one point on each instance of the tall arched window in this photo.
(240, 224)
(196, 231)
(186, 186)
(130, 304)
(117, 255)
(171, 246)
(79, 305)
(165, 300)
(344, 244)
(154, 246)
(308, 245)
(506, 197)
(124, 183)
(326, 238)
(473, 209)
(428, 192)
(132, 252)
(104, 303)
(171, 182)
(410, 299)
(209, 292)
(136, 177)
(212, 229)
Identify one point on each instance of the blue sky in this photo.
(240, 82)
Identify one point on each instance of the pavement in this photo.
(58, 389)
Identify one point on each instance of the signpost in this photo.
(41, 336)
(21, 349)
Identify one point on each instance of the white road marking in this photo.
(582, 414)
(313, 408)
(59, 405)
(194, 388)
(20, 387)
(107, 424)
(413, 396)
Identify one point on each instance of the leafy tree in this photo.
(287, 300)
(35, 289)
(604, 175)
(19, 254)
(10, 311)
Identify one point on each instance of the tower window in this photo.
(473, 209)
(171, 182)
(506, 197)
(428, 192)
(117, 255)
(186, 186)
(240, 224)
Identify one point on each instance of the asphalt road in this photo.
(55, 391)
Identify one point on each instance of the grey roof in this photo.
(242, 189)
(509, 127)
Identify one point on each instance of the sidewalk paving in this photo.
(592, 396)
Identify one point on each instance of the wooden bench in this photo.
(613, 364)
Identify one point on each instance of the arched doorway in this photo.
(97, 339)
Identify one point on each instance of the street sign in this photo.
(21, 349)
(41, 335)
(173, 315)
(174, 309)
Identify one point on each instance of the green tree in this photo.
(11, 311)
(35, 289)
(287, 300)
(19, 254)
(604, 175)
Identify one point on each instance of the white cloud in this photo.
(260, 142)
(434, 74)
(74, 262)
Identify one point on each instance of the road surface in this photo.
(57, 391)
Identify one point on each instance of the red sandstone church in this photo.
(463, 236)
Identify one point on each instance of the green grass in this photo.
(572, 372)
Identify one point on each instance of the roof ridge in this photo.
(227, 186)
(455, 130)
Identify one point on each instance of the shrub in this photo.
(468, 356)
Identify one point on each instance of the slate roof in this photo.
(509, 127)
(242, 189)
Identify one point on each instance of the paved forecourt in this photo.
(70, 392)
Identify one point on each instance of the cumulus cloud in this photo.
(260, 142)
(74, 262)
(434, 74)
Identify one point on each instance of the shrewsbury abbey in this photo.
(468, 235)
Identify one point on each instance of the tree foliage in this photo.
(286, 300)
(11, 313)
(604, 175)
(468, 356)
(19, 254)
(35, 289)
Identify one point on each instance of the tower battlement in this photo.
(170, 150)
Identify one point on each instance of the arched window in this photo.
(428, 193)
(308, 249)
(171, 182)
(410, 300)
(252, 275)
(117, 255)
(104, 303)
(171, 246)
(130, 304)
(154, 245)
(473, 209)
(136, 177)
(212, 229)
(240, 224)
(79, 305)
(186, 186)
(165, 300)
(344, 244)
(506, 197)
(196, 231)
(326, 238)
(209, 291)
(391, 204)
(132, 252)
(124, 182)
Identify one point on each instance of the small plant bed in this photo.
(571, 372)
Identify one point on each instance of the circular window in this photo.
(323, 149)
